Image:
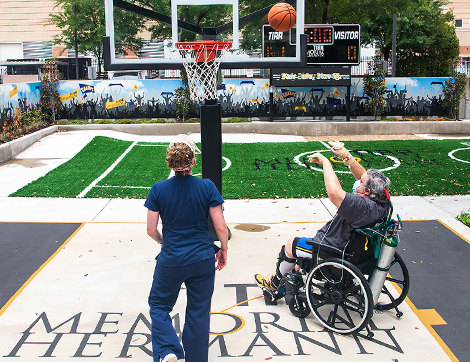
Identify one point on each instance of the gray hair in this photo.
(376, 183)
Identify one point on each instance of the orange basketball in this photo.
(282, 17)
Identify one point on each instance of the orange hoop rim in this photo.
(204, 44)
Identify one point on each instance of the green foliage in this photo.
(23, 123)
(374, 86)
(182, 103)
(464, 217)
(87, 19)
(454, 91)
(426, 38)
(51, 105)
(118, 121)
(235, 120)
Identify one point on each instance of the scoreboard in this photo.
(335, 44)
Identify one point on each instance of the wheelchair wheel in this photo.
(298, 305)
(399, 275)
(339, 296)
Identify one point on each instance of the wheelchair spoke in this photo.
(349, 322)
(336, 319)
(353, 306)
(332, 316)
(393, 280)
(353, 289)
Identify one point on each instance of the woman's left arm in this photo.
(152, 226)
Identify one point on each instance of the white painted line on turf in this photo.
(228, 163)
(90, 186)
(451, 153)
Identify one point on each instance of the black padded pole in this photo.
(211, 142)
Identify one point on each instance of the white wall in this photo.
(11, 51)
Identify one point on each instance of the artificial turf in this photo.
(262, 170)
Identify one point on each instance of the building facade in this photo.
(461, 11)
(23, 30)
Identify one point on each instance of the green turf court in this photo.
(111, 168)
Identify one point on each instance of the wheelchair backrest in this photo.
(361, 248)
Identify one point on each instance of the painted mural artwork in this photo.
(239, 97)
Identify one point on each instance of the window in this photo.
(458, 23)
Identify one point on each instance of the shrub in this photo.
(464, 217)
(235, 120)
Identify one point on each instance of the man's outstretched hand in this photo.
(317, 158)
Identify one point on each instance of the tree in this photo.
(51, 104)
(374, 86)
(454, 90)
(87, 19)
(426, 40)
(182, 100)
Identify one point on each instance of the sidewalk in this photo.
(90, 298)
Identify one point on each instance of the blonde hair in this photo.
(179, 157)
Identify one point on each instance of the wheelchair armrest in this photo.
(326, 250)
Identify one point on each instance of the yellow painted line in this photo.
(455, 232)
(18, 292)
(233, 306)
(430, 317)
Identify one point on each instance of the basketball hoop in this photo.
(201, 59)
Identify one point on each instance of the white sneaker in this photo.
(169, 358)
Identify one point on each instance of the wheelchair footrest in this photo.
(271, 297)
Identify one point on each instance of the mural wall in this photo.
(239, 98)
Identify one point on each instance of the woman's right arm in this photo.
(222, 233)
(152, 226)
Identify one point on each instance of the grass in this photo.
(262, 170)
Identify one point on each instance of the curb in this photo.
(11, 149)
(291, 128)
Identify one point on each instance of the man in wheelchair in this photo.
(366, 205)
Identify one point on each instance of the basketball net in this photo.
(201, 59)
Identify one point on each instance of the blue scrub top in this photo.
(183, 204)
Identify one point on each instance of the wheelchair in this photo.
(335, 284)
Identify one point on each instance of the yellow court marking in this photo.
(455, 232)
(233, 306)
(429, 318)
(18, 292)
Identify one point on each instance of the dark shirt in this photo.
(354, 212)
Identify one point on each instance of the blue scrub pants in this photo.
(199, 281)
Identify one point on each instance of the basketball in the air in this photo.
(282, 17)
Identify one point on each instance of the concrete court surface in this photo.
(88, 299)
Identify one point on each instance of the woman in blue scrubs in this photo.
(184, 203)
